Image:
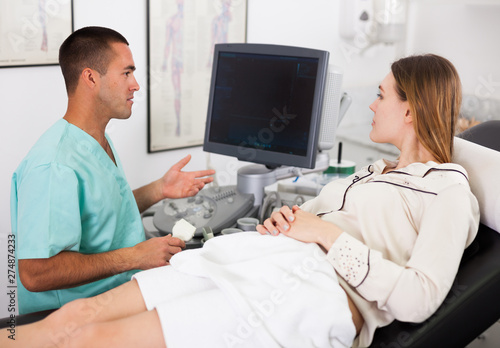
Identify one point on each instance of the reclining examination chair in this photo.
(473, 304)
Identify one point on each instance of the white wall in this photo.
(32, 99)
(466, 32)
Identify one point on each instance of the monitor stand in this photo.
(255, 177)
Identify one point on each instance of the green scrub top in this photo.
(67, 194)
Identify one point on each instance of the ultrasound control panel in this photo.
(215, 207)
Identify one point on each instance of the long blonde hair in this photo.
(432, 87)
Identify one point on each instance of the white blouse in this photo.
(404, 235)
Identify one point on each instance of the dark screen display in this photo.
(263, 102)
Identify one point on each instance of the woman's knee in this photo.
(62, 315)
(62, 325)
(91, 335)
(75, 310)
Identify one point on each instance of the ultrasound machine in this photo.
(275, 106)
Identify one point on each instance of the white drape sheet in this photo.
(280, 293)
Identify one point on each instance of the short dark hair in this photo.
(88, 47)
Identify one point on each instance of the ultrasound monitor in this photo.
(265, 106)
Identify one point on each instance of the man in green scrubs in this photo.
(77, 222)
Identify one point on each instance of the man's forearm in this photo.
(69, 269)
(147, 195)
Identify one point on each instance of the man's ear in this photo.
(89, 77)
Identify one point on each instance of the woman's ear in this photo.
(408, 116)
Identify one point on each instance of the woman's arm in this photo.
(301, 225)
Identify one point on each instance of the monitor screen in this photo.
(265, 103)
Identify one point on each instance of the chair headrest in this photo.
(483, 166)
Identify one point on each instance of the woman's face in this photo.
(389, 119)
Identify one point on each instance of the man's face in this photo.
(118, 85)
